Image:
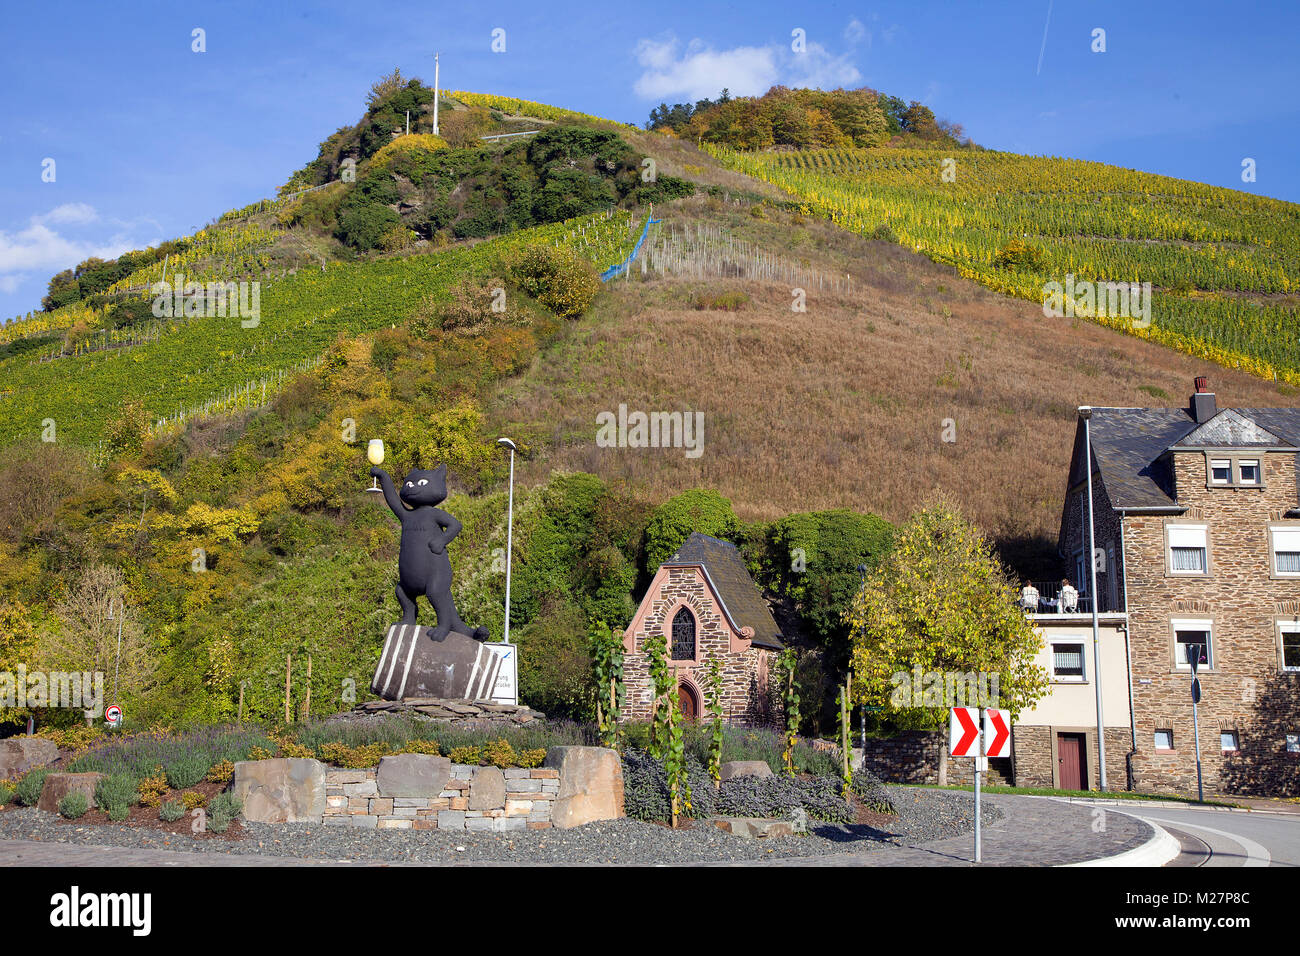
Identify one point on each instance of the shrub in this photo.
(421, 747)
(74, 805)
(699, 509)
(7, 793)
(187, 770)
(724, 301)
(499, 753)
(29, 786)
(1019, 256)
(192, 799)
(354, 758)
(531, 758)
(221, 772)
(260, 753)
(152, 788)
(560, 279)
(172, 810)
(223, 808)
(116, 793)
(389, 345)
(882, 233)
(469, 755)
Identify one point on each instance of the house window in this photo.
(1221, 471)
(1164, 739)
(1286, 551)
(683, 636)
(1228, 740)
(1188, 549)
(1248, 472)
(1067, 662)
(1293, 743)
(1189, 635)
(1290, 645)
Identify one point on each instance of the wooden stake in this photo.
(288, 672)
(240, 718)
(306, 704)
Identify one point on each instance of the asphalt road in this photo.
(1216, 837)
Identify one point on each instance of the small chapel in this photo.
(706, 606)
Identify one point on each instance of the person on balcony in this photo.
(1029, 597)
(1069, 598)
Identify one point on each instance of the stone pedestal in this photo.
(412, 664)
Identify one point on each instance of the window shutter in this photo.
(1186, 537)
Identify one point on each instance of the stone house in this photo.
(705, 606)
(1197, 544)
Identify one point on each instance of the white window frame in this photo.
(1284, 628)
(1236, 741)
(1226, 465)
(1083, 661)
(1187, 532)
(1285, 531)
(1156, 738)
(1193, 624)
(1259, 472)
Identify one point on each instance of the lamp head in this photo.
(507, 443)
(1085, 412)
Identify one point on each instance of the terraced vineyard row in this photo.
(1225, 265)
(198, 360)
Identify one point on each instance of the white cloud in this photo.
(856, 32)
(38, 248)
(699, 71)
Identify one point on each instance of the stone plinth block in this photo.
(286, 790)
(413, 665)
(591, 785)
(744, 768)
(59, 785)
(413, 775)
(20, 754)
(755, 827)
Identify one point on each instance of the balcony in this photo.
(1050, 604)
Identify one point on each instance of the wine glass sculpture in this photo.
(375, 455)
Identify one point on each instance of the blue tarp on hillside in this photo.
(613, 272)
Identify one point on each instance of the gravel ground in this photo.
(923, 815)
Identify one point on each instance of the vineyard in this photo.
(1224, 265)
(202, 364)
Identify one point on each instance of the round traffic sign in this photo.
(113, 715)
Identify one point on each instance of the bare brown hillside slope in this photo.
(843, 405)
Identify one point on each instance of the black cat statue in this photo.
(449, 660)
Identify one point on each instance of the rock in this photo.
(20, 754)
(744, 768)
(413, 775)
(286, 790)
(591, 785)
(413, 664)
(59, 785)
(487, 789)
(754, 827)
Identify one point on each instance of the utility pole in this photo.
(510, 527)
(1085, 412)
(436, 96)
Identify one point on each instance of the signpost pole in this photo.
(979, 750)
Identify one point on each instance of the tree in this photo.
(699, 509)
(941, 601)
(17, 646)
(90, 613)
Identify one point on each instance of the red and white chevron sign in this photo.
(964, 732)
(997, 733)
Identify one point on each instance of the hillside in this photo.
(212, 474)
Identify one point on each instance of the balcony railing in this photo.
(1049, 601)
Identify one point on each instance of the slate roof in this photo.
(1129, 446)
(741, 599)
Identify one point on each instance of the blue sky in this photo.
(151, 140)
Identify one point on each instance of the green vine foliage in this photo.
(845, 741)
(715, 711)
(786, 665)
(656, 650)
(607, 673)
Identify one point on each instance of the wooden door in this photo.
(689, 708)
(1070, 762)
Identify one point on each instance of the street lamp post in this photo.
(1085, 412)
(117, 666)
(510, 526)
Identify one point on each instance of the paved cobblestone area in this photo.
(1034, 831)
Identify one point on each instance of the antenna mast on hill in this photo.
(435, 94)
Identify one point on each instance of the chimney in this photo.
(1204, 406)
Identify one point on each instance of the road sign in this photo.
(112, 715)
(1196, 690)
(964, 731)
(997, 733)
(506, 689)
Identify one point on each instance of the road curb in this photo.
(1157, 851)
